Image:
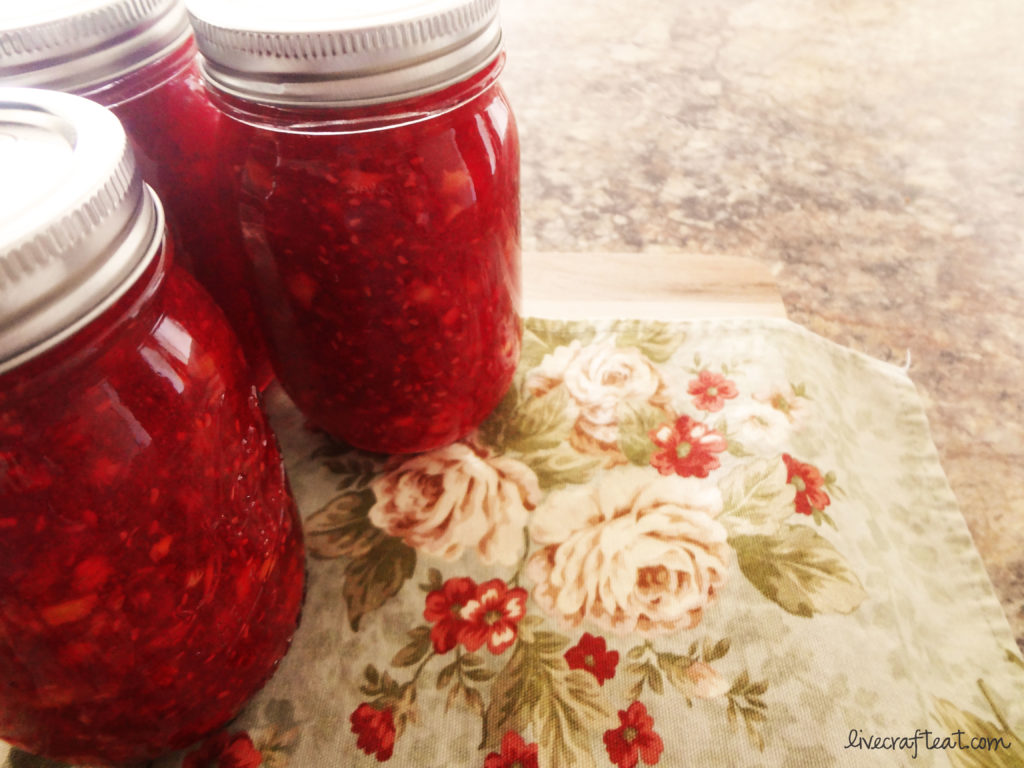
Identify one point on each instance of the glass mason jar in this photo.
(138, 58)
(151, 560)
(377, 167)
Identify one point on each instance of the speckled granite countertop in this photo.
(870, 151)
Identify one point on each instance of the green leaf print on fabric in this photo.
(541, 423)
(658, 341)
(800, 570)
(562, 466)
(537, 689)
(991, 745)
(756, 498)
(379, 564)
(457, 676)
(416, 650)
(341, 527)
(693, 675)
(636, 420)
(377, 576)
(746, 706)
(354, 469)
(538, 435)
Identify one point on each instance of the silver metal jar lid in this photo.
(71, 45)
(342, 52)
(76, 222)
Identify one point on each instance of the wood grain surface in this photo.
(649, 286)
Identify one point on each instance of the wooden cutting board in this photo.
(648, 286)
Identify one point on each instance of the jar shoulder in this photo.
(150, 363)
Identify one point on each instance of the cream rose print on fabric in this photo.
(633, 553)
(612, 507)
(597, 379)
(456, 497)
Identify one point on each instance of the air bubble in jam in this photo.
(148, 587)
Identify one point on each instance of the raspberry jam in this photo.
(151, 82)
(151, 560)
(384, 241)
(173, 128)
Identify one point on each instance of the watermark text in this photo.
(925, 739)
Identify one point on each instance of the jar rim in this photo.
(334, 58)
(350, 119)
(75, 48)
(155, 259)
(85, 226)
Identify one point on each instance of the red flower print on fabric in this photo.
(634, 739)
(376, 731)
(687, 448)
(444, 611)
(591, 653)
(515, 753)
(224, 750)
(473, 615)
(492, 616)
(711, 390)
(809, 484)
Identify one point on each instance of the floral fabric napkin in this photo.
(719, 543)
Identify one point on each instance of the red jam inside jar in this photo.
(385, 244)
(151, 556)
(173, 126)
(151, 562)
(154, 88)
